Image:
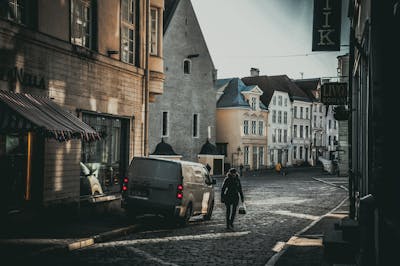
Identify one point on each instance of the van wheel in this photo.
(209, 212)
(189, 211)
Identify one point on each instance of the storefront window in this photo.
(105, 158)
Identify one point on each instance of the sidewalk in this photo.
(25, 235)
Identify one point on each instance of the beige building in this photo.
(91, 58)
(241, 124)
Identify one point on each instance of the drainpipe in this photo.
(147, 82)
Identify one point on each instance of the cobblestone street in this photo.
(277, 208)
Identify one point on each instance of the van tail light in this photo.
(125, 184)
(179, 193)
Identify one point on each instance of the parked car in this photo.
(172, 188)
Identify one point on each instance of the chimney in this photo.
(254, 72)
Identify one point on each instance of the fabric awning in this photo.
(21, 112)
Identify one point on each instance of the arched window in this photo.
(187, 66)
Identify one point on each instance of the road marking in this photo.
(297, 215)
(173, 238)
(150, 257)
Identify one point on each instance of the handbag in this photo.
(242, 208)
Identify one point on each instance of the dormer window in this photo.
(187, 66)
(253, 103)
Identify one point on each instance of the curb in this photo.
(87, 242)
(275, 257)
(328, 183)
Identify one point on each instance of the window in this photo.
(195, 125)
(280, 100)
(14, 10)
(285, 135)
(294, 152)
(260, 156)
(274, 100)
(164, 129)
(246, 155)
(295, 112)
(334, 140)
(187, 66)
(285, 101)
(295, 131)
(128, 31)
(260, 128)
(320, 121)
(301, 131)
(272, 156)
(329, 140)
(253, 103)
(330, 124)
(246, 127)
(315, 121)
(154, 31)
(253, 127)
(279, 135)
(301, 152)
(306, 112)
(274, 137)
(320, 108)
(110, 154)
(280, 117)
(306, 132)
(80, 23)
(285, 117)
(301, 112)
(335, 124)
(274, 116)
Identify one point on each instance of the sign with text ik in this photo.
(334, 93)
(327, 25)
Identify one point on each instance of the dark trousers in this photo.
(231, 211)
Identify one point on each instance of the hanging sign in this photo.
(327, 25)
(334, 93)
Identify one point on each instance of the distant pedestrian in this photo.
(230, 192)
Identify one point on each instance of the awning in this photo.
(21, 112)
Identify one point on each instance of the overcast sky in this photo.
(272, 35)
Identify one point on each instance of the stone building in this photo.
(91, 58)
(184, 116)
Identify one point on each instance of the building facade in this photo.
(184, 116)
(241, 124)
(95, 63)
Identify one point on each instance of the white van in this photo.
(173, 188)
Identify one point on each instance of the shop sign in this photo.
(26, 79)
(334, 93)
(327, 25)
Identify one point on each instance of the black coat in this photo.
(231, 189)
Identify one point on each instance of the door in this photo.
(255, 158)
(217, 167)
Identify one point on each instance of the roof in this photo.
(163, 148)
(270, 84)
(169, 10)
(232, 96)
(209, 148)
(308, 85)
(21, 112)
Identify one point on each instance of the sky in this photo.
(271, 35)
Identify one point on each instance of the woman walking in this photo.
(231, 190)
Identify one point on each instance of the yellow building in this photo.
(241, 124)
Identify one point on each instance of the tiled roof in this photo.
(308, 86)
(269, 84)
(232, 96)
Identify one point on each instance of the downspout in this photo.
(147, 82)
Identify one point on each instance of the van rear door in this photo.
(154, 180)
